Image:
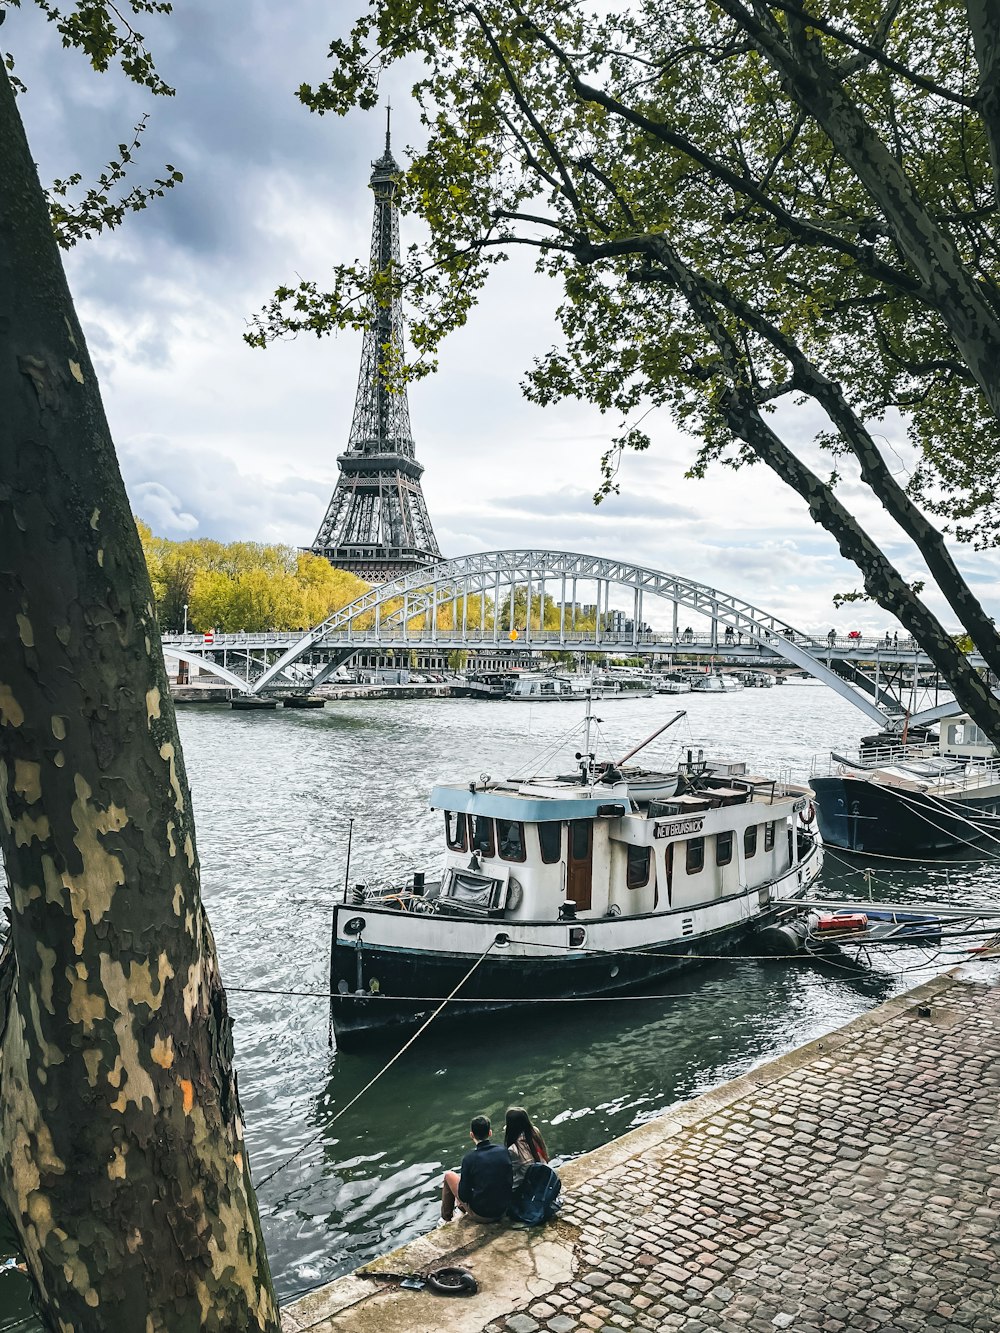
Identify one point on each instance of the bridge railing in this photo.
(607, 638)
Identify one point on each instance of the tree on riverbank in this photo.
(123, 1166)
(748, 206)
(242, 585)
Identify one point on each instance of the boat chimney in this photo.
(418, 882)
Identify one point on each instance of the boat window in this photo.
(695, 855)
(454, 830)
(637, 872)
(723, 848)
(750, 841)
(768, 836)
(482, 835)
(510, 837)
(550, 841)
(580, 839)
(964, 733)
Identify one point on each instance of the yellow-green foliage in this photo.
(242, 585)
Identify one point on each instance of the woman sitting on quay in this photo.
(524, 1143)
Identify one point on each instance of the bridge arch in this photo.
(376, 619)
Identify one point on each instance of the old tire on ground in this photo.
(452, 1282)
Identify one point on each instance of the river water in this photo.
(273, 792)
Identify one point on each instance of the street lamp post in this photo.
(185, 617)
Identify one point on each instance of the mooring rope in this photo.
(916, 807)
(371, 1082)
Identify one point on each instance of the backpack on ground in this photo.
(537, 1197)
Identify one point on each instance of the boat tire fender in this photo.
(782, 940)
(515, 894)
(808, 815)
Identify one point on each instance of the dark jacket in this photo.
(486, 1183)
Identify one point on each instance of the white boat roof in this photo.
(535, 802)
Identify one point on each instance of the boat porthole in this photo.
(615, 970)
(577, 937)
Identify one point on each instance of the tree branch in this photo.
(568, 188)
(876, 53)
(808, 378)
(882, 579)
(930, 253)
(984, 20)
(806, 232)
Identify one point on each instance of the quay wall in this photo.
(222, 694)
(852, 1184)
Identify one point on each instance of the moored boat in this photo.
(672, 685)
(716, 683)
(592, 883)
(607, 686)
(910, 800)
(539, 688)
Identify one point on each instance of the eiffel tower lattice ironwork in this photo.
(376, 523)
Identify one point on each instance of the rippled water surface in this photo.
(273, 793)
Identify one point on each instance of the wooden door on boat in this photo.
(661, 902)
(580, 862)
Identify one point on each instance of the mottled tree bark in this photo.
(122, 1161)
(984, 23)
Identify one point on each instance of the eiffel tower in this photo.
(376, 523)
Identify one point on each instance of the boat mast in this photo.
(658, 732)
(586, 758)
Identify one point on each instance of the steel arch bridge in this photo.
(448, 606)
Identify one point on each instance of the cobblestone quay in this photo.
(851, 1185)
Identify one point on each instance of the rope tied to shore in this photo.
(385, 1068)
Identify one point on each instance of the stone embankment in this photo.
(851, 1185)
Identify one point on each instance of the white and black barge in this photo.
(582, 885)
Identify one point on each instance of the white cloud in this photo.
(162, 510)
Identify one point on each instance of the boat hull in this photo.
(864, 816)
(382, 988)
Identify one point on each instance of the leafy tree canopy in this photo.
(746, 205)
(242, 585)
(104, 33)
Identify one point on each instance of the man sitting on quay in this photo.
(484, 1188)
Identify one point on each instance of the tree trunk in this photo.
(882, 581)
(122, 1161)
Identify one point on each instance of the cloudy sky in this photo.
(218, 440)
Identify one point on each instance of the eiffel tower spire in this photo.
(376, 523)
